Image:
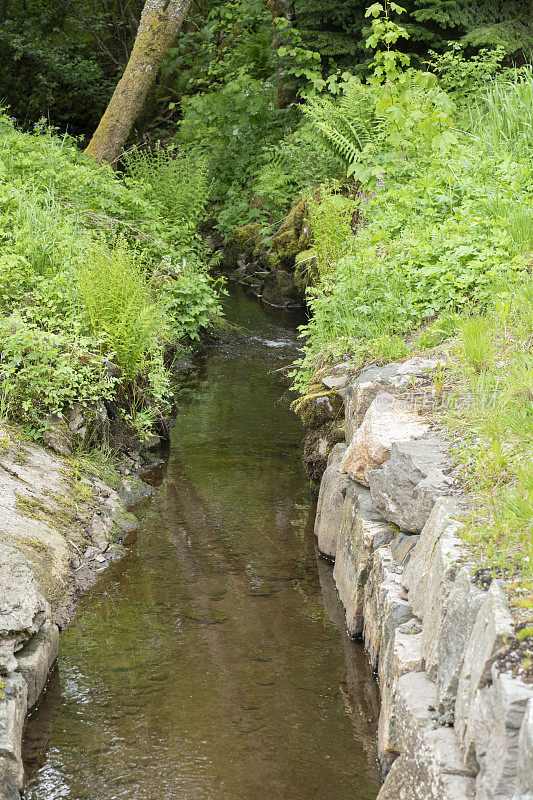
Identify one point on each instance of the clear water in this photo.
(212, 663)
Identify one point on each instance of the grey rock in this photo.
(99, 529)
(412, 627)
(442, 573)
(330, 503)
(12, 716)
(402, 656)
(335, 381)
(132, 490)
(392, 378)
(76, 420)
(455, 627)
(23, 610)
(430, 766)
(360, 527)
(401, 547)
(442, 523)
(499, 711)
(387, 420)
(385, 605)
(36, 658)
(524, 789)
(493, 627)
(92, 552)
(57, 435)
(405, 488)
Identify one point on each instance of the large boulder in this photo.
(405, 488)
(402, 656)
(12, 717)
(362, 531)
(430, 766)
(492, 629)
(442, 524)
(499, 712)
(387, 420)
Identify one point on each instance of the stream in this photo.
(212, 663)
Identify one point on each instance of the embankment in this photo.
(457, 703)
(58, 530)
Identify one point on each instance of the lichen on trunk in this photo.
(159, 25)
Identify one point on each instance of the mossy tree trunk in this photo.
(159, 25)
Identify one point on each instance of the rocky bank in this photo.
(456, 722)
(58, 530)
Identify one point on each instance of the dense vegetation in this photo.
(408, 132)
(99, 278)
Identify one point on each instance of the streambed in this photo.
(212, 662)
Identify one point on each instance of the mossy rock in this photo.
(241, 245)
(293, 236)
(305, 270)
(280, 290)
(318, 444)
(319, 406)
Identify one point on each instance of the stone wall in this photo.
(453, 723)
(58, 530)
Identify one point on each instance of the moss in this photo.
(30, 508)
(287, 242)
(241, 244)
(60, 518)
(2, 689)
(313, 414)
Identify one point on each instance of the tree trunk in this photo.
(160, 22)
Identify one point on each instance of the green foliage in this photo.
(436, 235)
(502, 116)
(81, 284)
(42, 372)
(117, 299)
(178, 180)
(461, 76)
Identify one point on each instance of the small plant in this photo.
(477, 342)
(117, 299)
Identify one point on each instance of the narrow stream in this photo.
(212, 663)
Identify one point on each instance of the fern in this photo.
(350, 126)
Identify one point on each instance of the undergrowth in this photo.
(99, 276)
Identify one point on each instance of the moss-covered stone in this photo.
(293, 236)
(318, 406)
(318, 444)
(241, 245)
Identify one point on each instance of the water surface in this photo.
(212, 663)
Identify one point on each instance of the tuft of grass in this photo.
(476, 340)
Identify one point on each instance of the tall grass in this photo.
(116, 298)
(502, 116)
